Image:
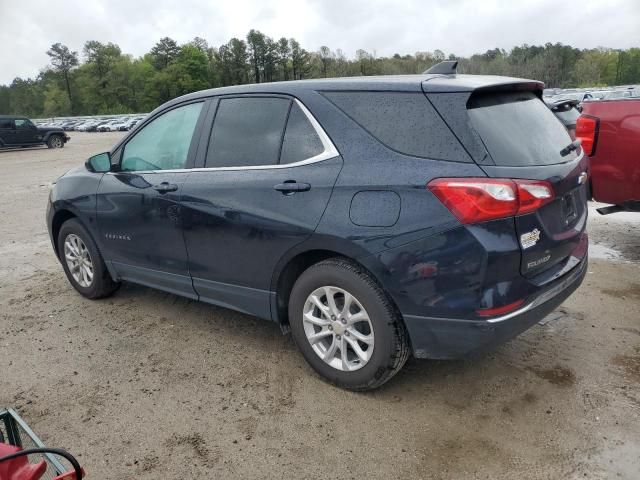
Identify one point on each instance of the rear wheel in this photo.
(55, 141)
(345, 325)
(82, 262)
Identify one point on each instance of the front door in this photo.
(138, 208)
(26, 132)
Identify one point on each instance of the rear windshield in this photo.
(518, 129)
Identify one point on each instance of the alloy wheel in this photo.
(78, 260)
(338, 328)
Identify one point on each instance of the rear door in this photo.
(7, 131)
(524, 141)
(268, 172)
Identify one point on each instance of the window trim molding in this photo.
(330, 151)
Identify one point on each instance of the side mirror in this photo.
(100, 163)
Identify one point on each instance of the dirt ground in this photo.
(148, 385)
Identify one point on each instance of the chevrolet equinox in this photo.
(376, 217)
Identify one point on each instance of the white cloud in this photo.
(384, 26)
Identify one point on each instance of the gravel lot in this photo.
(149, 385)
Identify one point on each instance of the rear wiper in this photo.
(570, 148)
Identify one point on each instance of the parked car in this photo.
(109, 126)
(579, 96)
(94, 126)
(69, 125)
(83, 126)
(614, 94)
(567, 111)
(373, 217)
(610, 135)
(22, 132)
(128, 125)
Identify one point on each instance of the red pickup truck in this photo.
(610, 135)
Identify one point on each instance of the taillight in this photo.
(490, 312)
(587, 131)
(533, 194)
(474, 200)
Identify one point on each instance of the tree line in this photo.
(104, 80)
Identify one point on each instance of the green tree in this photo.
(56, 102)
(63, 60)
(300, 60)
(101, 59)
(326, 56)
(5, 99)
(283, 51)
(256, 46)
(164, 52)
(232, 60)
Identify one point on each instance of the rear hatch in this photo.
(518, 137)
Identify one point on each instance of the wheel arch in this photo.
(295, 264)
(59, 218)
(48, 135)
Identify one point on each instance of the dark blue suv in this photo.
(374, 217)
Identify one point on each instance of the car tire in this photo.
(55, 141)
(383, 332)
(74, 234)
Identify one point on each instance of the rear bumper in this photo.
(442, 338)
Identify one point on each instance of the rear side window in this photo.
(247, 132)
(6, 123)
(405, 122)
(518, 129)
(301, 142)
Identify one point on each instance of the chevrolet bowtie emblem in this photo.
(582, 178)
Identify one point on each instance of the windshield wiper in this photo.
(570, 148)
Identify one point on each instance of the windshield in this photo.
(518, 129)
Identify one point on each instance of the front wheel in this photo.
(82, 262)
(55, 141)
(345, 325)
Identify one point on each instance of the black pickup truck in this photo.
(22, 132)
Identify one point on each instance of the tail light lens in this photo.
(587, 131)
(474, 200)
(490, 312)
(532, 195)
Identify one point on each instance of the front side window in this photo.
(247, 132)
(23, 123)
(164, 143)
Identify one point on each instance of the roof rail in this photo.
(448, 67)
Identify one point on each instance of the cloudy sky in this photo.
(29, 27)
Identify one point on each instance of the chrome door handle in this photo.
(165, 187)
(292, 187)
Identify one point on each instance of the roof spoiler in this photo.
(448, 67)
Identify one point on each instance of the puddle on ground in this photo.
(603, 252)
